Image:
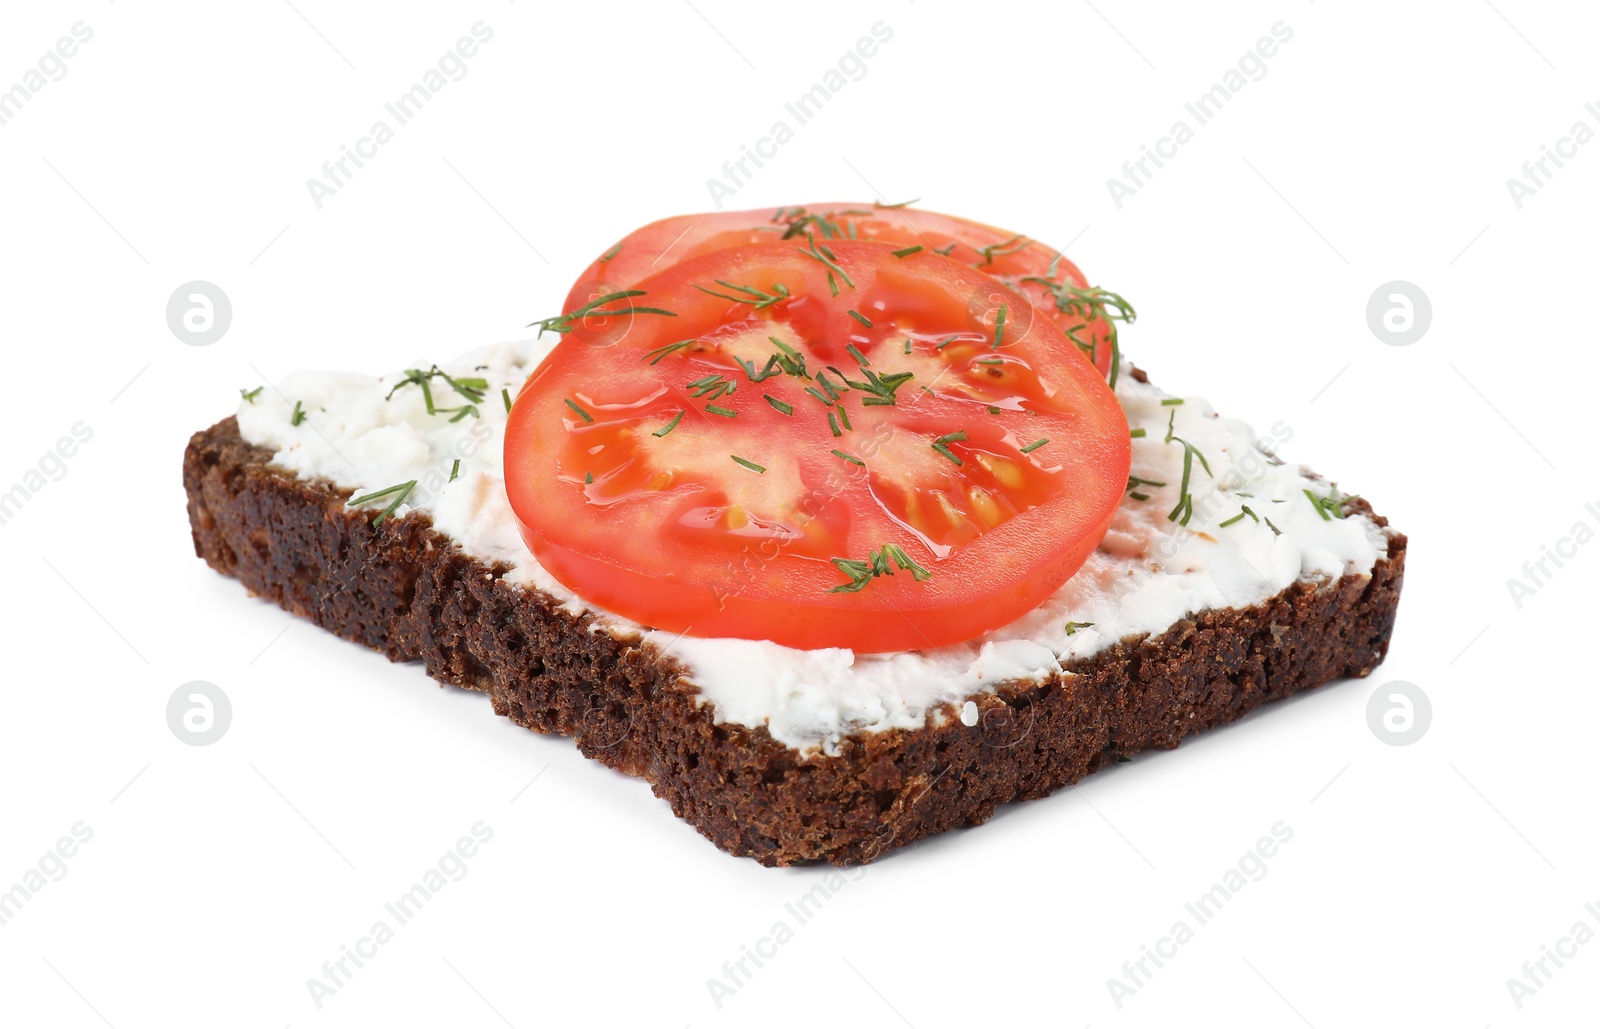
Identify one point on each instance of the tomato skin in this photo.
(582, 439)
(1012, 258)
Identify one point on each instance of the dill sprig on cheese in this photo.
(1184, 510)
(1134, 482)
(399, 492)
(1331, 506)
(472, 389)
(1244, 510)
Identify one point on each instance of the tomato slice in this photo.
(823, 445)
(1088, 315)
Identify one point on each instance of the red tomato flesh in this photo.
(1051, 282)
(823, 446)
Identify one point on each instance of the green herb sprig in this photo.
(564, 323)
(882, 561)
(942, 444)
(756, 298)
(1331, 506)
(1002, 249)
(399, 492)
(820, 252)
(1184, 510)
(1244, 509)
(1091, 305)
(712, 387)
(879, 389)
(792, 361)
(470, 388)
(669, 426)
(655, 356)
(767, 371)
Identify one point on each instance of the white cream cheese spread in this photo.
(1252, 531)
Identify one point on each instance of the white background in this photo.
(220, 878)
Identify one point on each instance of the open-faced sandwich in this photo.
(839, 524)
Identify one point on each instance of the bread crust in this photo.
(410, 593)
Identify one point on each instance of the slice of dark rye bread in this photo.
(405, 590)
